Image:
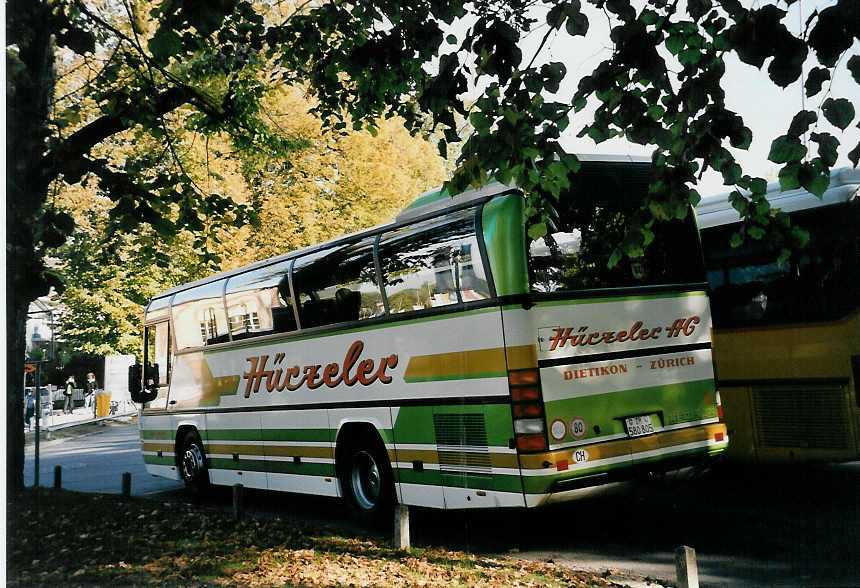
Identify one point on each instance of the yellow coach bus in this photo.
(442, 360)
(787, 337)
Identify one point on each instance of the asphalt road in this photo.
(95, 462)
(785, 526)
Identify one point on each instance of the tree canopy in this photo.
(149, 70)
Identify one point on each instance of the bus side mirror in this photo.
(137, 391)
(135, 382)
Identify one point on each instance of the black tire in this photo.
(192, 464)
(368, 483)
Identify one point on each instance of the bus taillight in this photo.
(719, 406)
(527, 410)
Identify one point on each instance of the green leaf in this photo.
(815, 80)
(614, 258)
(674, 43)
(758, 186)
(816, 183)
(788, 179)
(537, 230)
(577, 25)
(785, 149)
(165, 43)
(633, 250)
(801, 122)
(655, 111)
(854, 154)
(737, 239)
(452, 40)
(694, 197)
(756, 232)
(827, 146)
(854, 67)
(839, 112)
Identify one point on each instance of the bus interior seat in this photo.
(348, 305)
(316, 313)
(284, 319)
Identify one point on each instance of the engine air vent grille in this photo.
(461, 441)
(801, 417)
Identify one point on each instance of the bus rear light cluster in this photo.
(719, 406)
(527, 410)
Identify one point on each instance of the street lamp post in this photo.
(38, 418)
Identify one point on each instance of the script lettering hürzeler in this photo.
(366, 372)
(582, 336)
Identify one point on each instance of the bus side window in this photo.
(198, 316)
(259, 302)
(433, 267)
(338, 285)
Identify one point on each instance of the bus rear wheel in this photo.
(192, 464)
(368, 483)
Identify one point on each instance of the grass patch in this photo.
(74, 539)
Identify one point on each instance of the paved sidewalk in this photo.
(57, 419)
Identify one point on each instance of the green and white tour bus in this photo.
(442, 360)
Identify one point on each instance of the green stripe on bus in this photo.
(386, 325)
(497, 482)
(155, 460)
(156, 434)
(456, 377)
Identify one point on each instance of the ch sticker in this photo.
(580, 456)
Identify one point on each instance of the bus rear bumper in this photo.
(566, 474)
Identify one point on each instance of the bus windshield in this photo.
(590, 225)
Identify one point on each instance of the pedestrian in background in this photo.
(90, 388)
(30, 408)
(69, 406)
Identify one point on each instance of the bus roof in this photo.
(426, 204)
(715, 211)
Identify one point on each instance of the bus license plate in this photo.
(639, 425)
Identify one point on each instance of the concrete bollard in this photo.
(401, 527)
(58, 477)
(126, 484)
(237, 501)
(686, 571)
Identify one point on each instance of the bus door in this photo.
(157, 361)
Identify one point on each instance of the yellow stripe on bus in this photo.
(470, 364)
(158, 447)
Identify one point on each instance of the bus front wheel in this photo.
(368, 483)
(192, 463)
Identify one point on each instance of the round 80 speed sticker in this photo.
(558, 429)
(578, 427)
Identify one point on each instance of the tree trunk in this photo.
(29, 91)
(16, 316)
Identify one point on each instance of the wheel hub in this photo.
(192, 462)
(366, 480)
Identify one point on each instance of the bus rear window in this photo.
(588, 229)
